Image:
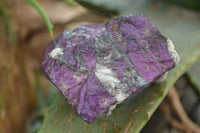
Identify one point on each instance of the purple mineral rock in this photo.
(98, 66)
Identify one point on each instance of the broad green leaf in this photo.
(118, 6)
(43, 14)
(193, 4)
(183, 28)
(113, 7)
(101, 7)
(194, 76)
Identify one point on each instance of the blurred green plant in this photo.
(70, 2)
(43, 100)
(43, 14)
(6, 22)
(193, 75)
(98, 7)
(193, 4)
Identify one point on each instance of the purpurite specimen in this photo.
(98, 66)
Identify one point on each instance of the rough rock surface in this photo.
(98, 66)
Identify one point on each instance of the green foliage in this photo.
(43, 99)
(98, 7)
(193, 4)
(70, 2)
(131, 115)
(43, 14)
(6, 22)
(115, 7)
(194, 76)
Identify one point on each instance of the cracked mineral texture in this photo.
(98, 66)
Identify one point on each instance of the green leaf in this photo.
(194, 76)
(183, 28)
(113, 7)
(70, 2)
(43, 14)
(99, 6)
(193, 4)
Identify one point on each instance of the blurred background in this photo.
(25, 93)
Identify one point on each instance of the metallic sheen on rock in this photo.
(98, 66)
